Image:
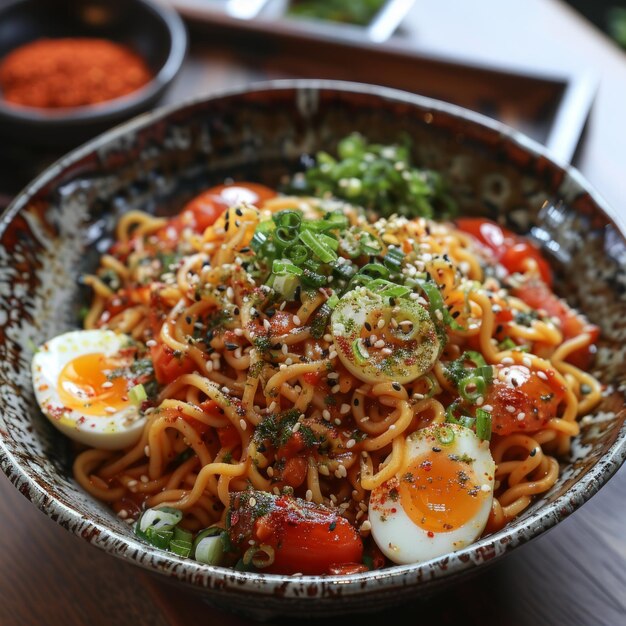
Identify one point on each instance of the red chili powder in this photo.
(54, 73)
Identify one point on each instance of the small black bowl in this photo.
(154, 31)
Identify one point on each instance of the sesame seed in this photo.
(243, 424)
(225, 389)
(238, 332)
(146, 450)
(270, 471)
(338, 421)
(252, 502)
(284, 348)
(379, 344)
(335, 388)
(328, 337)
(271, 407)
(386, 351)
(296, 320)
(541, 375)
(418, 396)
(110, 410)
(366, 526)
(123, 513)
(488, 408)
(507, 360)
(527, 362)
(282, 366)
(308, 495)
(230, 294)
(485, 488)
(151, 343)
(144, 479)
(326, 415)
(131, 484)
(266, 324)
(323, 470)
(479, 400)
(381, 323)
(392, 427)
(521, 416)
(345, 408)
(289, 361)
(350, 443)
(332, 355)
(296, 427)
(333, 375)
(510, 409)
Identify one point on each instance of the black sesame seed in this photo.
(270, 312)
(231, 346)
(368, 326)
(236, 311)
(239, 211)
(356, 402)
(396, 386)
(435, 449)
(532, 452)
(188, 319)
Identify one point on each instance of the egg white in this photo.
(111, 431)
(399, 538)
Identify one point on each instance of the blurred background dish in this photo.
(144, 45)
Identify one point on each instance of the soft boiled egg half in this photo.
(82, 381)
(440, 500)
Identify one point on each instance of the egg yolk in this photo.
(440, 493)
(83, 385)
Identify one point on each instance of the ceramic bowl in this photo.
(57, 227)
(153, 30)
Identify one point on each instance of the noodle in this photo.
(245, 362)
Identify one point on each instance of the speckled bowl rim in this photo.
(205, 576)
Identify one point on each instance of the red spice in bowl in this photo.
(59, 73)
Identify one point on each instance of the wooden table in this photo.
(574, 575)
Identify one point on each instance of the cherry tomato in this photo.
(168, 366)
(306, 537)
(510, 249)
(234, 193)
(523, 401)
(538, 296)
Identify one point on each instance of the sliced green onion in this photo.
(434, 296)
(483, 424)
(260, 556)
(507, 344)
(393, 259)
(332, 301)
(164, 518)
(478, 391)
(180, 534)
(320, 249)
(445, 435)
(387, 289)
(369, 244)
(320, 321)
(313, 279)
(331, 242)
(361, 355)
(159, 538)
(474, 357)
(285, 237)
(332, 220)
(485, 372)
(287, 218)
(180, 547)
(285, 285)
(208, 549)
(464, 420)
(297, 253)
(281, 267)
(261, 235)
(137, 394)
(344, 271)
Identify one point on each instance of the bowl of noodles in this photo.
(311, 345)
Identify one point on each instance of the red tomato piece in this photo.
(168, 366)
(313, 378)
(510, 249)
(234, 193)
(229, 437)
(523, 401)
(306, 537)
(538, 296)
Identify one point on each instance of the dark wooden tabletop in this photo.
(574, 575)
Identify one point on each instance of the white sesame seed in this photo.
(110, 409)
(323, 470)
(345, 408)
(123, 513)
(230, 294)
(238, 332)
(350, 443)
(485, 488)
(308, 495)
(326, 415)
(252, 502)
(392, 427)
(288, 361)
(282, 366)
(131, 484)
(527, 362)
(333, 375)
(366, 526)
(284, 348)
(296, 320)
(335, 389)
(151, 343)
(328, 337)
(386, 351)
(479, 400)
(146, 450)
(418, 396)
(507, 360)
(107, 384)
(266, 324)
(381, 323)
(144, 479)
(488, 408)
(337, 421)
(541, 375)
(296, 427)
(521, 416)
(270, 471)
(243, 424)
(225, 389)
(271, 407)
(332, 355)
(510, 409)
(379, 344)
